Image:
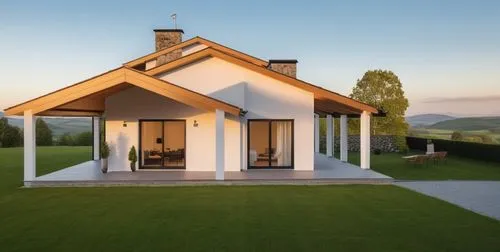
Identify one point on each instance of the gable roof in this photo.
(193, 41)
(56, 103)
(92, 92)
(325, 100)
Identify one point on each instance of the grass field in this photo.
(227, 218)
(392, 164)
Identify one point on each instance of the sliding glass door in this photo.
(162, 144)
(270, 144)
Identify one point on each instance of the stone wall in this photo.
(289, 69)
(385, 143)
(171, 56)
(165, 39)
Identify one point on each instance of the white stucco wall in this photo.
(262, 96)
(193, 48)
(135, 103)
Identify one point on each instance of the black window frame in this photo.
(162, 166)
(270, 121)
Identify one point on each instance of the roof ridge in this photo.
(196, 39)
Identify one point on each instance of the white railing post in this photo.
(96, 131)
(316, 133)
(329, 136)
(365, 140)
(29, 146)
(219, 144)
(343, 139)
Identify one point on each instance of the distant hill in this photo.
(427, 119)
(469, 123)
(58, 125)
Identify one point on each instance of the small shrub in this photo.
(377, 151)
(104, 150)
(132, 155)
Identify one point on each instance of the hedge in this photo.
(485, 152)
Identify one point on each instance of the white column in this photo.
(316, 133)
(96, 131)
(365, 140)
(343, 138)
(219, 144)
(29, 146)
(329, 136)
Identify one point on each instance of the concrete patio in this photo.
(326, 171)
(482, 197)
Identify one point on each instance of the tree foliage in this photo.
(457, 136)
(486, 139)
(12, 136)
(43, 133)
(3, 124)
(65, 140)
(83, 139)
(383, 90)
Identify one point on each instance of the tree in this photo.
(3, 124)
(43, 133)
(457, 136)
(66, 140)
(486, 139)
(383, 90)
(83, 139)
(12, 136)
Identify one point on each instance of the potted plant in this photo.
(104, 157)
(430, 147)
(132, 157)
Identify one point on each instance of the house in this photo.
(201, 106)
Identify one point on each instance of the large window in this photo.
(270, 144)
(162, 144)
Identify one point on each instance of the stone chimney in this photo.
(165, 38)
(284, 66)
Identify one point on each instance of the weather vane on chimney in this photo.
(174, 17)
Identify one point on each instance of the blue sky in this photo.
(446, 53)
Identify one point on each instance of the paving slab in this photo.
(482, 197)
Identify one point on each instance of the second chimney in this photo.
(165, 38)
(284, 66)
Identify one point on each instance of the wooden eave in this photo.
(64, 102)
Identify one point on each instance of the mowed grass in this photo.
(48, 159)
(229, 218)
(456, 168)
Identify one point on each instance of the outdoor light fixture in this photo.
(195, 123)
(124, 123)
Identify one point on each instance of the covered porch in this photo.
(326, 171)
(92, 98)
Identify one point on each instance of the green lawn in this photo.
(228, 218)
(392, 164)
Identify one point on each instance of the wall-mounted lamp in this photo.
(195, 123)
(124, 123)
